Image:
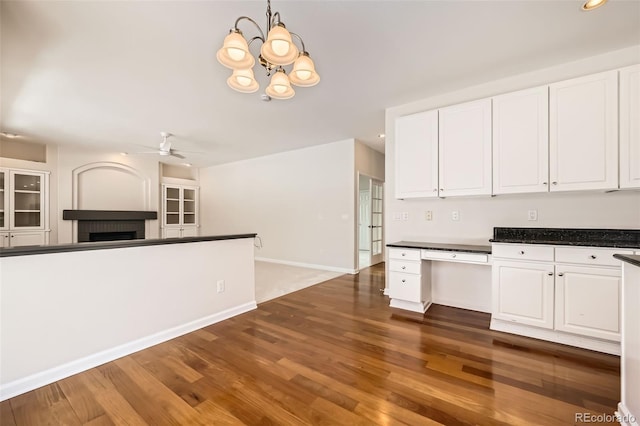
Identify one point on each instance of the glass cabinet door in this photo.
(27, 200)
(189, 206)
(172, 206)
(4, 202)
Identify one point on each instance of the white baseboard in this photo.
(593, 344)
(420, 307)
(34, 381)
(308, 265)
(461, 304)
(624, 416)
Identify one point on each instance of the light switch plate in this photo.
(532, 215)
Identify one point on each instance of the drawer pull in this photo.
(550, 274)
(404, 254)
(404, 281)
(453, 255)
(561, 274)
(521, 251)
(554, 183)
(404, 267)
(593, 256)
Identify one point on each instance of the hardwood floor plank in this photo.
(334, 354)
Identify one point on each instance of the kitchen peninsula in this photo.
(67, 308)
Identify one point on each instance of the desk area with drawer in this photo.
(409, 269)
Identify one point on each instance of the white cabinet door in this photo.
(189, 231)
(521, 141)
(465, 149)
(416, 155)
(171, 233)
(588, 301)
(27, 238)
(4, 240)
(27, 200)
(630, 127)
(523, 292)
(583, 141)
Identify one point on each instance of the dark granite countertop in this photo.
(62, 248)
(629, 258)
(620, 238)
(442, 246)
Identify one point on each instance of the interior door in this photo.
(376, 221)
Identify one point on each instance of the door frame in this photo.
(374, 259)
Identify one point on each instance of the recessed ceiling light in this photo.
(187, 164)
(381, 135)
(593, 4)
(9, 135)
(124, 153)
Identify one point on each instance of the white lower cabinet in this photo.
(408, 280)
(523, 292)
(23, 238)
(588, 301)
(181, 232)
(569, 295)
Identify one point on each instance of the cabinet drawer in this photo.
(410, 267)
(404, 254)
(455, 256)
(589, 255)
(522, 252)
(405, 287)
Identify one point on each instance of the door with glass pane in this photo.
(172, 205)
(4, 199)
(376, 221)
(27, 200)
(189, 210)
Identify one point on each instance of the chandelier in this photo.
(277, 50)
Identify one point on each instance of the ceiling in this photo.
(114, 74)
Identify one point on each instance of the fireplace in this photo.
(109, 225)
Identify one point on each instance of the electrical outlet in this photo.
(533, 215)
(428, 215)
(455, 215)
(220, 286)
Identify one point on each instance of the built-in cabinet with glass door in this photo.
(180, 211)
(24, 218)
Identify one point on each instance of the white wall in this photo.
(62, 313)
(301, 203)
(479, 215)
(130, 183)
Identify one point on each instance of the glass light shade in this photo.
(243, 81)
(280, 88)
(593, 4)
(235, 53)
(304, 72)
(279, 48)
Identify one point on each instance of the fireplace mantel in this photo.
(108, 215)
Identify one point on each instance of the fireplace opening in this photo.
(113, 236)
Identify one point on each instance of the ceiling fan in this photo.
(165, 148)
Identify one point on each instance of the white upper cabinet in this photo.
(465, 149)
(630, 127)
(416, 155)
(583, 140)
(521, 141)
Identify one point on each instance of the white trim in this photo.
(60, 372)
(309, 265)
(420, 307)
(461, 304)
(593, 344)
(625, 417)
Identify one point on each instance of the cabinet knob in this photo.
(554, 183)
(435, 189)
(12, 236)
(593, 256)
(550, 274)
(561, 274)
(441, 189)
(453, 255)
(545, 183)
(404, 281)
(404, 267)
(403, 254)
(521, 251)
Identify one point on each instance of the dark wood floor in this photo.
(334, 353)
